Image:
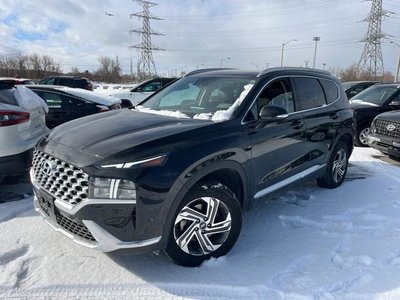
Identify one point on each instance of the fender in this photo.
(189, 178)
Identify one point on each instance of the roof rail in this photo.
(206, 70)
(263, 72)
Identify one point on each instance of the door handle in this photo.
(297, 124)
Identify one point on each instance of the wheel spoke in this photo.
(212, 208)
(185, 238)
(205, 243)
(189, 214)
(220, 227)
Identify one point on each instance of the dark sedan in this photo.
(385, 133)
(375, 100)
(66, 104)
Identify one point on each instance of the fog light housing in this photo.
(108, 188)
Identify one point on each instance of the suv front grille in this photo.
(60, 179)
(74, 227)
(381, 128)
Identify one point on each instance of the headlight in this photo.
(107, 188)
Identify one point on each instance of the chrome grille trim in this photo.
(66, 182)
(381, 129)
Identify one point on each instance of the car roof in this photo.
(255, 74)
(15, 79)
(66, 76)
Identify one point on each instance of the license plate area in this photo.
(46, 202)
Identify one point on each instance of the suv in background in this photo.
(385, 133)
(352, 88)
(377, 99)
(22, 124)
(141, 91)
(71, 81)
(178, 172)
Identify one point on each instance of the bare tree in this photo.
(109, 70)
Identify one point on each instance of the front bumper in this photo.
(86, 222)
(389, 146)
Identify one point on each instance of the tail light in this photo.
(8, 118)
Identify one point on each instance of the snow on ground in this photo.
(310, 243)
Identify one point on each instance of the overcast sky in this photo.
(198, 33)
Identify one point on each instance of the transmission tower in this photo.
(371, 61)
(145, 65)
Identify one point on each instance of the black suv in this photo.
(71, 81)
(377, 99)
(385, 133)
(177, 173)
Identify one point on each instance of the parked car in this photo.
(71, 81)
(385, 133)
(15, 80)
(352, 88)
(141, 91)
(66, 104)
(178, 172)
(22, 124)
(368, 104)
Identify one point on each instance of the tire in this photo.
(337, 167)
(189, 243)
(362, 132)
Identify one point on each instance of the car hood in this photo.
(392, 116)
(105, 135)
(361, 104)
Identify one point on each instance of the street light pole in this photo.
(223, 60)
(316, 39)
(396, 78)
(283, 49)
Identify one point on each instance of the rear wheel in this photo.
(337, 167)
(206, 224)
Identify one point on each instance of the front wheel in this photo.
(337, 167)
(362, 135)
(206, 224)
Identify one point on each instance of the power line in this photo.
(371, 60)
(146, 67)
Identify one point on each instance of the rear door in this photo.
(320, 118)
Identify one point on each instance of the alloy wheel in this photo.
(202, 226)
(339, 165)
(363, 136)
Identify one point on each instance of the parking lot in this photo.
(308, 243)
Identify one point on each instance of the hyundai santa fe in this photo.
(178, 172)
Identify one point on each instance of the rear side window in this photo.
(52, 100)
(309, 93)
(47, 81)
(331, 90)
(7, 96)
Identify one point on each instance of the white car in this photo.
(22, 124)
(141, 91)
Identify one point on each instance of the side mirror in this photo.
(395, 103)
(273, 113)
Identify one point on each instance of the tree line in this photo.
(35, 66)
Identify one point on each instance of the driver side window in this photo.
(278, 93)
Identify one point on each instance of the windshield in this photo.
(347, 85)
(207, 98)
(377, 94)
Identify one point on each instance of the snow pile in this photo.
(28, 99)
(361, 102)
(223, 115)
(91, 96)
(175, 114)
(310, 243)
